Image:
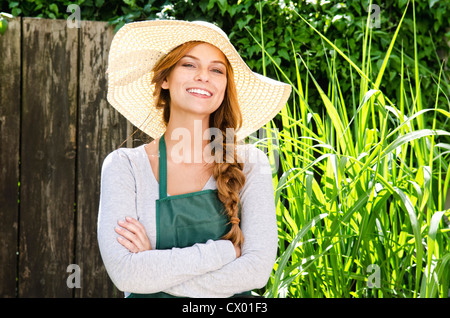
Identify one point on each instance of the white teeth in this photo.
(199, 91)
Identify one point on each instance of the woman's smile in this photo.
(199, 92)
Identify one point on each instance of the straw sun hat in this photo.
(138, 46)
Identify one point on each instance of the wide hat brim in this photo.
(138, 46)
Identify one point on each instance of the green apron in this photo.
(185, 219)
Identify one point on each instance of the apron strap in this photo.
(162, 168)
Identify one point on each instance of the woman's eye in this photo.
(188, 65)
(219, 71)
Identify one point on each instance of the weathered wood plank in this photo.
(48, 151)
(9, 155)
(101, 130)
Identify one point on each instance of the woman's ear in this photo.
(165, 84)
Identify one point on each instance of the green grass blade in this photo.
(408, 206)
(431, 239)
(412, 136)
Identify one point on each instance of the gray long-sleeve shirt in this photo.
(211, 269)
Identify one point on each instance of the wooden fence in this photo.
(56, 128)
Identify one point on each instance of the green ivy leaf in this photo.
(3, 25)
(13, 4)
(284, 54)
(432, 2)
(16, 12)
(99, 3)
(223, 5)
(53, 7)
(203, 5)
(210, 4)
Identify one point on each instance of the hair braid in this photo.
(230, 179)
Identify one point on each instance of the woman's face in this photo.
(198, 82)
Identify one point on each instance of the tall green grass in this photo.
(360, 192)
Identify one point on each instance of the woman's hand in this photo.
(133, 235)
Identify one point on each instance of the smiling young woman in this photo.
(188, 229)
(201, 66)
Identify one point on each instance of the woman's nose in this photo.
(202, 75)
